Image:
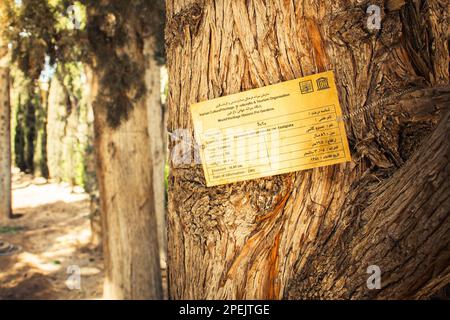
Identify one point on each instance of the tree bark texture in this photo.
(5, 126)
(126, 199)
(156, 125)
(125, 178)
(314, 233)
(125, 175)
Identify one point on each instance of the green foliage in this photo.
(70, 119)
(111, 28)
(80, 165)
(41, 28)
(120, 76)
(11, 229)
(29, 126)
(19, 139)
(43, 167)
(33, 35)
(89, 176)
(30, 131)
(40, 153)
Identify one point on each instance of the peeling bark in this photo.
(312, 234)
(399, 224)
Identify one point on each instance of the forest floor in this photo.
(52, 229)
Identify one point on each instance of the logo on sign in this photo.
(322, 84)
(306, 87)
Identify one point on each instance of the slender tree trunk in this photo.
(92, 185)
(65, 126)
(5, 127)
(157, 146)
(56, 129)
(5, 144)
(124, 158)
(313, 234)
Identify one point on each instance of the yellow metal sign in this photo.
(277, 129)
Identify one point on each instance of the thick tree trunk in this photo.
(5, 128)
(127, 205)
(313, 234)
(124, 159)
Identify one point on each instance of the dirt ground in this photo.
(52, 227)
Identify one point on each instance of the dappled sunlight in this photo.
(35, 261)
(90, 271)
(76, 238)
(55, 235)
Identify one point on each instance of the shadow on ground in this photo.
(54, 235)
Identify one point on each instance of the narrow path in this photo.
(52, 230)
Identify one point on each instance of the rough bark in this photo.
(400, 224)
(5, 127)
(312, 234)
(125, 178)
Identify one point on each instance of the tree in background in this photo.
(124, 38)
(50, 52)
(121, 44)
(28, 104)
(33, 35)
(19, 137)
(5, 118)
(313, 234)
(70, 122)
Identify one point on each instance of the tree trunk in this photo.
(5, 123)
(89, 158)
(156, 127)
(5, 136)
(69, 122)
(124, 159)
(314, 233)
